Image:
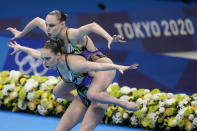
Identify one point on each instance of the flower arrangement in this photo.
(20, 92)
(157, 110)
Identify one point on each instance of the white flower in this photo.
(114, 84)
(15, 74)
(144, 109)
(146, 90)
(109, 89)
(195, 98)
(194, 122)
(191, 117)
(179, 117)
(187, 99)
(155, 97)
(167, 128)
(42, 110)
(117, 118)
(140, 101)
(170, 95)
(53, 97)
(9, 87)
(196, 112)
(161, 110)
(30, 96)
(43, 86)
(182, 103)
(134, 121)
(181, 112)
(170, 101)
(52, 80)
(161, 103)
(133, 89)
(153, 117)
(174, 123)
(125, 89)
(22, 105)
(193, 103)
(148, 95)
(118, 114)
(5, 92)
(183, 95)
(15, 94)
(60, 99)
(125, 115)
(30, 84)
(125, 97)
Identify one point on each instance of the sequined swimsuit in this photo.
(90, 56)
(81, 81)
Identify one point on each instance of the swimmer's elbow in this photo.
(93, 24)
(37, 19)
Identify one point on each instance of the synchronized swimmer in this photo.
(72, 53)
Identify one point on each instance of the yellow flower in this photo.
(120, 109)
(1, 86)
(50, 98)
(22, 80)
(45, 94)
(11, 96)
(170, 111)
(145, 122)
(170, 124)
(15, 107)
(50, 106)
(195, 107)
(59, 109)
(31, 106)
(188, 125)
(44, 102)
(55, 103)
(74, 92)
(7, 102)
(36, 101)
(41, 92)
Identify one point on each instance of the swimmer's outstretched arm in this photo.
(94, 28)
(36, 22)
(79, 64)
(30, 51)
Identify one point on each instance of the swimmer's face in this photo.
(53, 26)
(50, 60)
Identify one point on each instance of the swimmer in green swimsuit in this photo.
(74, 69)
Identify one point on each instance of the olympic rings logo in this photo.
(34, 64)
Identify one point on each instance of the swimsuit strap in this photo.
(67, 36)
(66, 56)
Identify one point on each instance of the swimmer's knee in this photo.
(92, 96)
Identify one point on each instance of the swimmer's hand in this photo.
(14, 46)
(15, 32)
(123, 68)
(116, 38)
